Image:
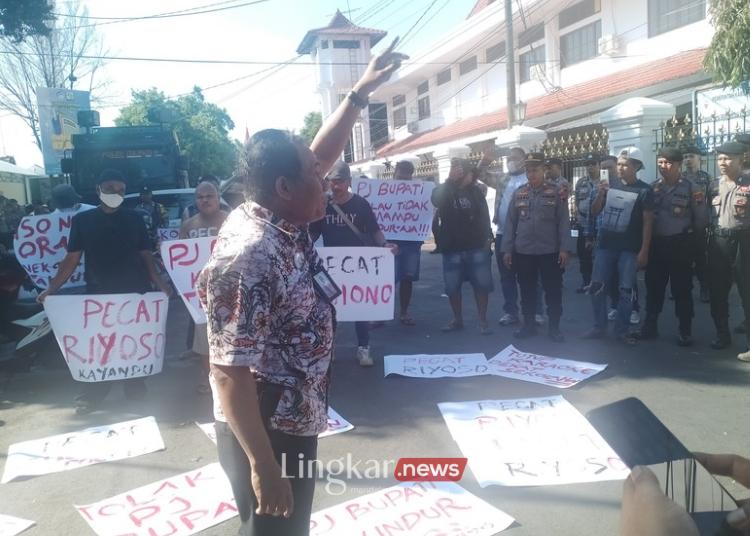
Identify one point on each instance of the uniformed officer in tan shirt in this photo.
(536, 242)
(729, 242)
(679, 212)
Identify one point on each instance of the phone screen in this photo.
(604, 175)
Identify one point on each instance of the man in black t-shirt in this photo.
(117, 250)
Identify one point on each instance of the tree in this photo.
(22, 18)
(68, 56)
(728, 57)
(202, 129)
(313, 122)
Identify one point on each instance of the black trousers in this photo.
(671, 261)
(528, 269)
(701, 260)
(290, 451)
(585, 259)
(728, 261)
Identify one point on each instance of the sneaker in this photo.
(363, 356)
(612, 314)
(635, 318)
(507, 319)
(539, 320)
(744, 356)
(685, 340)
(721, 341)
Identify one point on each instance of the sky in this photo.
(269, 31)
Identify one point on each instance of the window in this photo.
(424, 107)
(467, 66)
(533, 57)
(398, 100)
(324, 44)
(345, 44)
(581, 44)
(495, 52)
(399, 117)
(578, 12)
(667, 15)
(444, 77)
(535, 33)
(424, 87)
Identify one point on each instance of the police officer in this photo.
(536, 242)
(693, 172)
(729, 241)
(679, 209)
(582, 195)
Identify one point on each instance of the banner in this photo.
(58, 121)
(41, 243)
(436, 366)
(403, 208)
(78, 449)
(106, 337)
(366, 279)
(530, 442)
(10, 526)
(178, 506)
(168, 233)
(412, 508)
(184, 259)
(560, 373)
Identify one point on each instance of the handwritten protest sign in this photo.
(168, 233)
(178, 506)
(403, 208)
(366, 279)
(10, 526)
(561, 373)
(412, 508)
(40, 245)
(436, 366)
(530, 442)
(184, 259)
(107, 337)
(78, 449)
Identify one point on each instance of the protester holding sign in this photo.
(349, 221)
(270, 319)
(409, 254)
(118, 261)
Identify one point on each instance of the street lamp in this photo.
(519, 110)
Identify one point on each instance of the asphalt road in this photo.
(700, 394)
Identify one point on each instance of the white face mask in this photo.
(111, 200)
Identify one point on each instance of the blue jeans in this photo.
(509, 284)
(363, 333)
(608, 262)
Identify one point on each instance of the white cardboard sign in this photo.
(41, 243)
(180, 505)
(561, 373)
(436, 366)
(365, 276)
(530, 442)
(184, 259)
(10, 526)
(403, 209)
(168, 233)
(424, 508)
(106, 337)
(78, 449)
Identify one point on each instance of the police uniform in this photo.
(729, 248)
(585, 186)
(702, 180)
(537, 228)
(679, 209)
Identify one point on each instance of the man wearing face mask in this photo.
(118, 257)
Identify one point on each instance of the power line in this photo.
(90, 17)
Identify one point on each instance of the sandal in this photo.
(406, 320)
(452, 326)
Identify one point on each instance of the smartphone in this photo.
(604, 175)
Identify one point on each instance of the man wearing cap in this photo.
(691, 158)
(536, 243)
(679, 211)
(729, 242)
(582, 197)
(67, 201)
(118, 261)
(625, 220)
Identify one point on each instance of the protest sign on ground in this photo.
(530, 442)
(365, 276)
(403, 208)
(561, 373)
(10, 526)
(436, 366)
(40, 245)
(168, 233)
(412, 508)
(184, 259)
(106, 337)
(178, 506)
(86, 447)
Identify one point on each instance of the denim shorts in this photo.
(474, 266)
(407, 260)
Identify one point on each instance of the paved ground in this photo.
(700, 394)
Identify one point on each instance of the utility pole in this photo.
(510, 65)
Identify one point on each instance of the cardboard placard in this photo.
(184, 259)
(561, 373)
(436, 366)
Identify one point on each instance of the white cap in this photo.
(631, 153)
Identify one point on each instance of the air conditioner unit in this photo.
(537, 72)
(413, 127)
(610, 44)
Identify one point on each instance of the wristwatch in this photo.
(357, 100)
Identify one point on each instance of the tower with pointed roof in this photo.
(340, 52)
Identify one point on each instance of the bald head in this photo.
(207, 198)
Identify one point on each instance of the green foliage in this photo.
(22, 18)
(313, 122)
(202, 129)
(728, 57)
